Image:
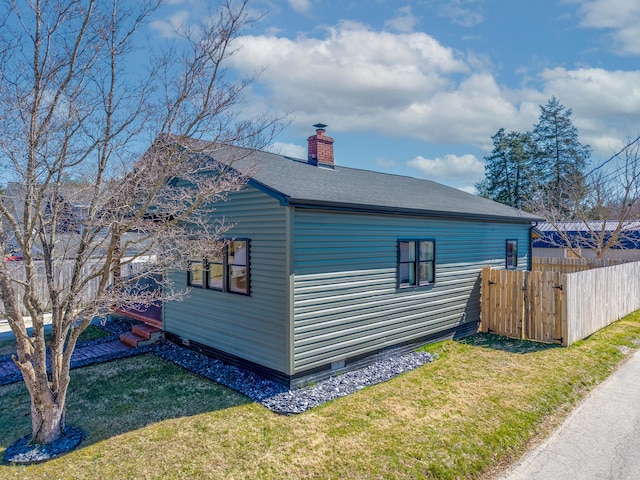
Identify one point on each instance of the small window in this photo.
(195, 274)
(512, 254)
(238, 272)
(416, 262)
(215, 279)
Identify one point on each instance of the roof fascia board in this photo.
(281, 197)
(309, 204)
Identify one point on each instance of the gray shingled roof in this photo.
(295, 182)
(592, 225)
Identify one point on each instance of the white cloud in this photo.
(620, 16)
(300, 6)
(605, 103)
(359, 79)
(289, 150)
(595, 91)
(470, 113)
(409, 85)
(403, 21)
(352, 60)
(459, 170)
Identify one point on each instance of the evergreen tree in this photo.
(560, 158)
(509, 176)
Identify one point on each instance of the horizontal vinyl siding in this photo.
(346, 300)
(251, 327)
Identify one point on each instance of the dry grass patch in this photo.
(473, 410)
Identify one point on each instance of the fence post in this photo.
(524, 291)
(564, 316)
(484, 299)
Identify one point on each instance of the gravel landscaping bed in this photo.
(278, 398)
(297, 401)
(248, 383)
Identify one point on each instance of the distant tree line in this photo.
(544, 171)
(546, 163)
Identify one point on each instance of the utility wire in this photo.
(591, 181)
(614, 156)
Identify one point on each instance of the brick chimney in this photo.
(320, 148)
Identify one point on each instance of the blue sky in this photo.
(419, 87)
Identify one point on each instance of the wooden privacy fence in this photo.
(570, 265)
(62, 272)
(522, 304)
(557, 307)
(597, 298)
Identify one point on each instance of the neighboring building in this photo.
(73, 219)
(13, 199)
(331, 267)
(552, 241)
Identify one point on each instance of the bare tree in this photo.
(600, 214)
(76, 111)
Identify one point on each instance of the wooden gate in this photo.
(524, 305)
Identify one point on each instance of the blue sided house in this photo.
(613, 240)
(329, 268)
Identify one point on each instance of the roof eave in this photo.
(272, 192)
(339, 206)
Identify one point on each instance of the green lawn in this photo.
(466, 415)
(7, 347)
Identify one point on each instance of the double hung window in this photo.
(416, 262)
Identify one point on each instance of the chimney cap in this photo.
(320, 126)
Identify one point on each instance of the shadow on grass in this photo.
(120, 396)
(511, 345)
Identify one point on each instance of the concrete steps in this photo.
(141, 335)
